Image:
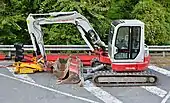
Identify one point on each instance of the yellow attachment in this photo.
(24, 68)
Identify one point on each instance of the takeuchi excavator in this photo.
(124, 62)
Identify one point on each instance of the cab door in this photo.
(110, 37)
(128, 44)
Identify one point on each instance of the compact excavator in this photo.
(124, 62)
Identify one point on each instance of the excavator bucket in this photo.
(67, 71)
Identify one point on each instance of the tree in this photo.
(121, 9)
(93, 10)
(157, 29)
(8, 23)
(13, 15)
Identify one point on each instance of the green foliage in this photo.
(121, 9)
(8, 23)
(154, 13)
(13, 14)
(93, 10)
(154, 16)
(61, 34)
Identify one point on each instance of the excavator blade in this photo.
(67, 71)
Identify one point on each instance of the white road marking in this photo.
(101, 94)
(50, 89)
(155, 90)
(21, 76)
(160, 70)
(166, 98)
(105, 96)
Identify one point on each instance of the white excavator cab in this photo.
(126, 41)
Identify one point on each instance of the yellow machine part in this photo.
(24, 68)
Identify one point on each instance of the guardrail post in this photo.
(9, 54)
(163, 53)
(89, 52)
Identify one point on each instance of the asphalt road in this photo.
(42, 88)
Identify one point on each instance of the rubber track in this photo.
(123, 74)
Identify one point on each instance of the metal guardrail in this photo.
(47, 47)
(163, 49)
(159, 48)
(10, 48)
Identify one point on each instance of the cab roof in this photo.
(116, 22)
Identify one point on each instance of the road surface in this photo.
(42, 88)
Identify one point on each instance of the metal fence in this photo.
(159, 50)
(47, 47)
(154, 50)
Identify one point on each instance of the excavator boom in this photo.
(34, 22)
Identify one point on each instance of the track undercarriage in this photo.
(109, 78)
